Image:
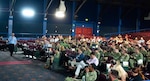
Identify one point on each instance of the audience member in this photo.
(83, 64)
(90, 74)
(137, 75)
(75, 61)
(113, 75)
(118, 67)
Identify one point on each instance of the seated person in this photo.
(122, 73)
(77, 59)
(46, 45)
(82, 64)
(45, 48)
(1, 38)
(113, 75)
(68, 55)
(90, 74)
(55, 60)
(137, 75)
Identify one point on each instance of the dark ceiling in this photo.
(108, 11)
(144, 4)
(132, 3)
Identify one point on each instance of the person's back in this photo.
(122, 73)
(56, 60)
(113, 75)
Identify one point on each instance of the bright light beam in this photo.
(28, 12)
(60, 14)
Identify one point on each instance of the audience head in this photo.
(123, 51)
(83, 49)
(92, 55)
(136, 50)
(79, 51)
(113, 62)
(13, 34)
(114, 74)
(136, 71)
(116, 50)
(92, 67)
(62, 48)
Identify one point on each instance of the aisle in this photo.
(18, 68)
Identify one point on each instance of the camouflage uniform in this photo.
(124, 57)
(56, 62)
(134, 59)
(90, 76)
(116, 56)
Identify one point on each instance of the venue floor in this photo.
(19, 68)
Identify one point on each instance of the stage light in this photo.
(60, 12)
(86, 19)
(28, 12)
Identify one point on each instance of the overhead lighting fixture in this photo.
(60, 12)
(86, 19)
(28, 12)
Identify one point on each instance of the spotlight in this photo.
(28, 12)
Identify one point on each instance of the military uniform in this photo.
(87, 52)
(56, 61)
(135, 58)
(66, 45)
(124, 57)
(107, 56)
(148, 57)
(144, 52)
(130, 50)
(116, 56)
(148, 61)
(101, 56)
(97, 54)
(90, 76)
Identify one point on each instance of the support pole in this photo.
(98, 21)
(138, 22)
(120, 21)
(10, 20)
(10, 25)
(44, 18)
(44, 26)
(73, 21)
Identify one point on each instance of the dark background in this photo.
(108, 16)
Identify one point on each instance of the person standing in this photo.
(12, 41)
